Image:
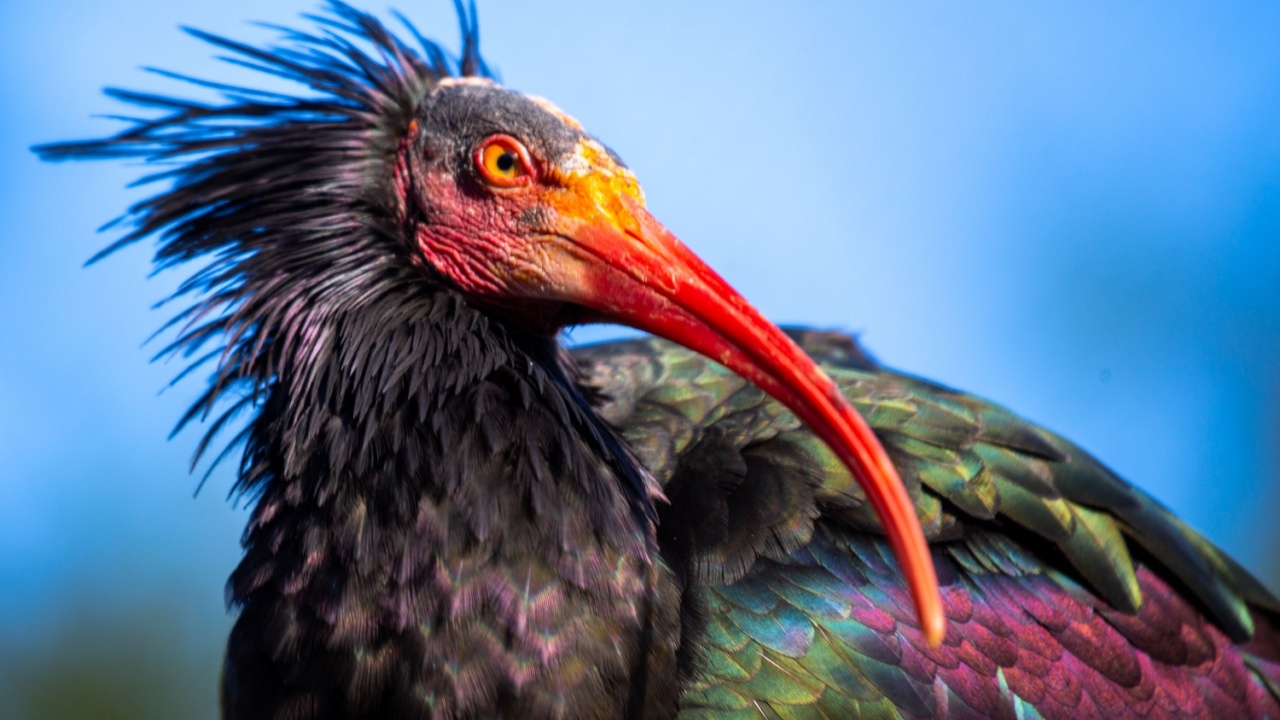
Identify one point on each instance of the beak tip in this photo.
(934, 627)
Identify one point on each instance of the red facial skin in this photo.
(555, 239)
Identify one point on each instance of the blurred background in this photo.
(1071, 209)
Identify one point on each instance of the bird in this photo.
(453, 516)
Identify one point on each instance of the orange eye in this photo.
(503, 161)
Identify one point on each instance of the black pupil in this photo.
(506, 162)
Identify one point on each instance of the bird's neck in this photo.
(425, 468)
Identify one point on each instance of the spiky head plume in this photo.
(269, 187)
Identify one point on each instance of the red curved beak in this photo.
(646, 278)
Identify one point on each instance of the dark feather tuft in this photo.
(268, 186)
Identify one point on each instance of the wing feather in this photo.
(1063, 583)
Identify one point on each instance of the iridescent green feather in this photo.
(978, 459)
(780, 635)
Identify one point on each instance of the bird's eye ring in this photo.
(503, 161)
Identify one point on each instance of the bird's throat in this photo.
(462, 519)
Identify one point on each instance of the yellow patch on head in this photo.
(591, 161)
(592, 184)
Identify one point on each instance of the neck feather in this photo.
(426, 399)
(431, 485)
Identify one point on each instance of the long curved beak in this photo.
(613, 257)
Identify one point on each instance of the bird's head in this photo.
(520, 209)
(402, 171)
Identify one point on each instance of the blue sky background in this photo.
(1071, 208)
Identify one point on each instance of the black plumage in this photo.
(395, 428)
(455, 518)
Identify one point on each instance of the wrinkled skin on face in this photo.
(508, 246)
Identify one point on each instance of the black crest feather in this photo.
(263, 186)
